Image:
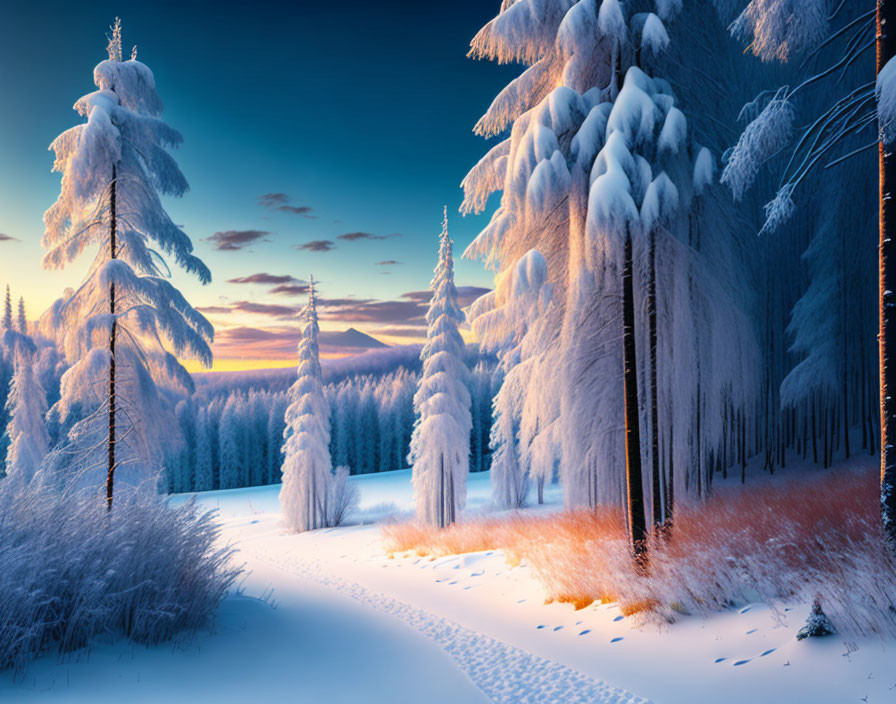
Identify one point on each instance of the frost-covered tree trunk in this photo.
(306, 464)
(886, 50)
(440, 445)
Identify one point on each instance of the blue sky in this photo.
(351, 117)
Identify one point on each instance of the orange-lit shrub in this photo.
(775, 543)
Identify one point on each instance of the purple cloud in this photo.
(7, 238)
(233, 240)
(262, 278)
(316, 246)
(280, 201)
(352, 236)
(290, 289)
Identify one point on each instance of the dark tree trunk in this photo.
(670, 481)
(113, 253)
(634, 481)
(886, 49)
(654, 405)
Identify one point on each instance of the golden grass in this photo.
(815, 537)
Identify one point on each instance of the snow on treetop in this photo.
(653, 34)
(634, 113)
(133, 82)
(704, 169)
(529, 274)
(549, 182)
(667, 9)
(675, 131)
(610, 201)
(611, 21)
(660, 201)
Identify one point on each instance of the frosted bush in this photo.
(343, 497)
(71, 571)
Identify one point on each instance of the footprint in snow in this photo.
(467, 587)
(454, 582)
(767, 652)
(616, 639)
(477, 574)
(752, 631)
(540, 627)
(741, 662)
(585, 632)
(520, 601)
(618, 618)
(557, 628)
(745, 609)
(718, 660)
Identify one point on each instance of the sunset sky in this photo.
(316, 141)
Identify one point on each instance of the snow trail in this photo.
(504, 673)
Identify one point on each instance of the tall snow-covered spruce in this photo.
(312, 496)
(440, 444)
(599, 174)
(124, 329)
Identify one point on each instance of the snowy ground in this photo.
(344, 623)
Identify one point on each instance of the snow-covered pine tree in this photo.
(440, 445)
(125, 323)
(307, 464)
(26, 406)
(22, 321)
(508, 331)
(590, 130)
(7, 310)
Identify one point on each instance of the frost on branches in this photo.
(312, 496)
(440, 444)
(125, 327)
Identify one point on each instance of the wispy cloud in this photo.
(267, 309)
(280, 201)
(270, 309)
(233, 240)
(7, 238)
(352, 236)
(263, 278)
(316, 246)
(290, 289)
(387, 262)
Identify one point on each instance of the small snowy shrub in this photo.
(71, 571)
(799, 542)
(342, 497)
